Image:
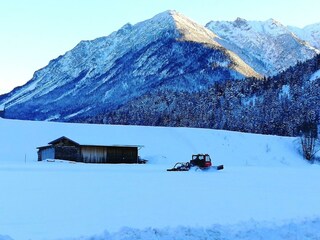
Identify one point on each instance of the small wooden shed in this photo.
(67, 149)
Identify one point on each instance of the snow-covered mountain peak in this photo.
(125, 28)
(166, 14)
(268, 46)
(240, 22)
(273, 27)
(270, 26)
(274, 22)
(164, 18)
(193, 32)
(188, 29)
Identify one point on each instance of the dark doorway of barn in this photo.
(122, 155)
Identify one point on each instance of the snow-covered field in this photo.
(266, 191)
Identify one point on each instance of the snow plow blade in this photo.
(220, 167)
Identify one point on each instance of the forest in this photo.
(278, 105)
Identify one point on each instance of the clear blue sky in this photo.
(35, 31)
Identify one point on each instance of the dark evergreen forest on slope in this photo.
(277, 105)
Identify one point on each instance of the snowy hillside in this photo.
(170, 145)
(265, 191)
(310, 34)
(269, 47)
(168, 51)
(315, 76)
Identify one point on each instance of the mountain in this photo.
(310, 34)
(268, 46)
(168, 51)
(170, 71)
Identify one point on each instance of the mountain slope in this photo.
(269, 47)
(167, 51)
(310, 34)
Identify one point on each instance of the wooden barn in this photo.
(67, 149)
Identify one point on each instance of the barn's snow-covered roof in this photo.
(92, 143)
(61, 139)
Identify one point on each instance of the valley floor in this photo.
(266, 190)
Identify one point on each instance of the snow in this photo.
(250, 101)
(263, 44)
(266, 188)
(285, 92)
(76, 113)
(309, 33)
(53, 117)
(315, 75)
(192, 31)
(247, 231)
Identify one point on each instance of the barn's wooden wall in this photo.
(94, 154)
(47, 153)
(71, 153)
